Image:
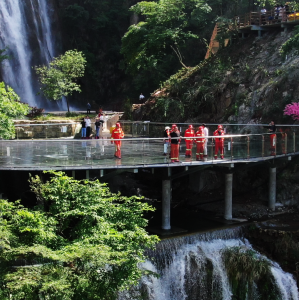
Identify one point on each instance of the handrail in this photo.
(270, 17)
(200, 123)
(73, 154)
(145, 138)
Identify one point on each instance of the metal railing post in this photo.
(213, 143)
(275, 148)
(285, 143)
(231, 148)
(263, 145)
(143, 150)
(248, 147)
(294, 142)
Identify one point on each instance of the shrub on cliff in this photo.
(80, 242)
(10, 108)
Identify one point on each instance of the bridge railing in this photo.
(137, 152)
(269, 17)
(156, 129)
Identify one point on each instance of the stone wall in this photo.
(26, 129)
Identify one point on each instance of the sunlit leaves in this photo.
(59, 78)
(81, 242)
(10, 108)
(166, 28)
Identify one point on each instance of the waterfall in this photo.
(26, 29)
(192, 268)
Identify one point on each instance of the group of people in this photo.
(86, 126)
(172, 137)
(280, 13)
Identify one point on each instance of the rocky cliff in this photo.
(246, 82)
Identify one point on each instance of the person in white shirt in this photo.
(206, 133)
(88, 126)
(141, 97)
(263, 15)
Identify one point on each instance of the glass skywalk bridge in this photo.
(139, 152)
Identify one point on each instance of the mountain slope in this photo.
(248, 81)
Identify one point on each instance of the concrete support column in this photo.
(87, 174)
(166, 200)
(73, 174)
(260, 33)
(228, 196)
(272, 188)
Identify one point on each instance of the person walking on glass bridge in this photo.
(272, 130)
(83, 129)
(189, 135)
(175, 143)
(88, 108)
(219, 142)
(200, 143)
(166, 136)
(206, 133)
(117, 134)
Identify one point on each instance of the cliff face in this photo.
(247, 82)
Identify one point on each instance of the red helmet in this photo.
(200, 129)
(191, 126)
(117, 125)
(173, 126)
(220, 127)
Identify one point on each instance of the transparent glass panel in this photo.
(256, 146)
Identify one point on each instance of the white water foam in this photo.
(25, 28)
(186, 267)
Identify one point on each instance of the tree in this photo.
(59, 78)
(167, 26)
(292, 110)
(80, 242)
(10, 108)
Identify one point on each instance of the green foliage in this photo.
(166, 28)
(287, 247)
(245, 264)
(59, 78)
(10, 108)
(246, 269)
(168, 109)
(128, 109)
(3, 56)
(95, 28)
(292, 43)
(80, 242)
(227, 29)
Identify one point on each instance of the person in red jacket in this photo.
(189, 134)
(175, 144)
(219, 142)
(117, 133)
(272, 130)
(200, 143)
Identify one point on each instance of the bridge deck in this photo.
(99, 154)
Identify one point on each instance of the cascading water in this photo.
(193, 268)
(26, 29)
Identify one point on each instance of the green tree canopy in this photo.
(59, 78)
(10, 108)
(80, 242)
(167, 26)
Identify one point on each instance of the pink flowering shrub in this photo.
(292, 110)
